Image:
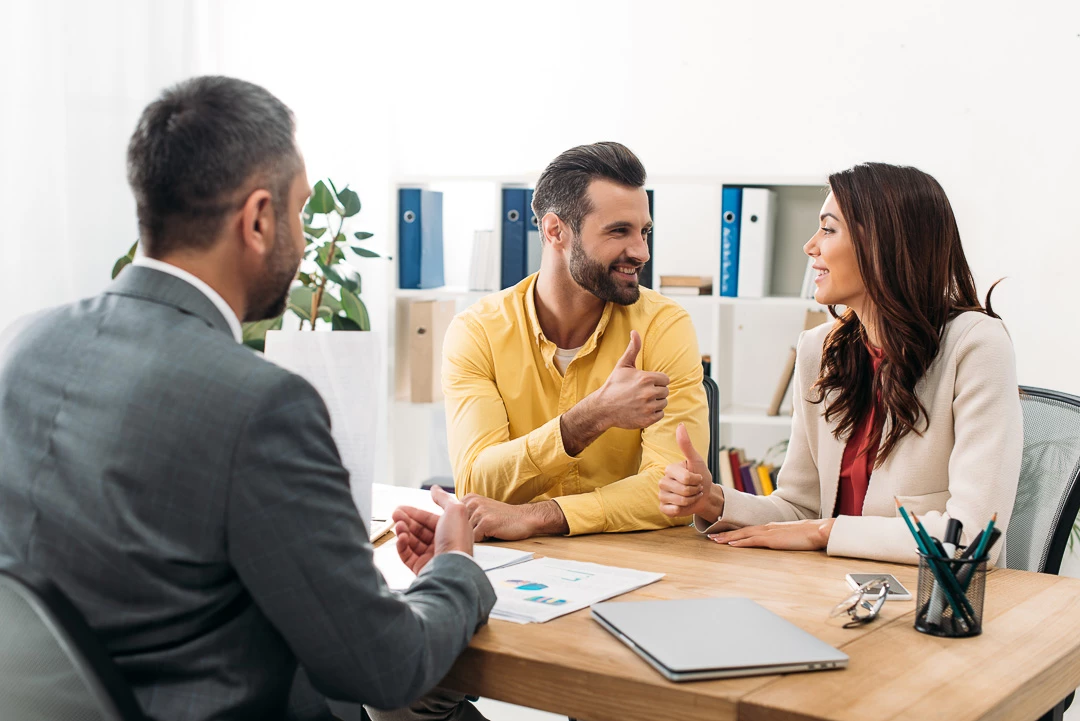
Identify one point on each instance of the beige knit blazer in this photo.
(965, 465)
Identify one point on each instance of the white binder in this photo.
(756, 242)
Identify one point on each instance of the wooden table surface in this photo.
(1026, 660)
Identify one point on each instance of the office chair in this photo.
(51, 664)
(712, 393)
(1048, 495)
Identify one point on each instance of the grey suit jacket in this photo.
(187, 495)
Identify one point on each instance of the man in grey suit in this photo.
(185, 493)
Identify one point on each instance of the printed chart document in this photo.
(385, 498)
(546, 588)
(341, 366)
(399, 577)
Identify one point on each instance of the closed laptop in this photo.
(735, 637)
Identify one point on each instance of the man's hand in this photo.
(687, 487)
(632, 398)
(506, 522)
(809, 535)
(422, 535)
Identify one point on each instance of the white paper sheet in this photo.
(399, 577)
(345, 368)
(546, 588)
(385, 498)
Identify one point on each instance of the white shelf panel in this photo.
(442, 292)
(776, 301)
(754, 415)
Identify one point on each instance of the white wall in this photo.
(980, 94)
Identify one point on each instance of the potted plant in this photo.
(326, 293)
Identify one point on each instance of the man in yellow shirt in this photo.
(563, 393)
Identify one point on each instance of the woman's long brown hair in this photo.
(907, 246)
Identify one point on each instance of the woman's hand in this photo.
(687, 487)
(809, 535)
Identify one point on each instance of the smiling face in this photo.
(838, 280)
(606, 257)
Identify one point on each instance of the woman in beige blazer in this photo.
(915, 375)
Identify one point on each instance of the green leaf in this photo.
(324, 312)
(314, 232)
(364, 252)
(324, 254)
(300, 301)
(304, 278)
(350, 202)
(341, 274)
(355, 309)
(255, 333)
(363, 235)
(131, 251)
(322, 200)
(121, 263)
(344, 322)
(332, 186)
(329, 301)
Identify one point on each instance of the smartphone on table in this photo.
(897, 592)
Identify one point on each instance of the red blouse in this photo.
(858, 460)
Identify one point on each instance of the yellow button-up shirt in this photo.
(505, 395)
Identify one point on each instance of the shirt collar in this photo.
(538, 332)
(212, 295)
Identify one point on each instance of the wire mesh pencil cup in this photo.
(949, 602)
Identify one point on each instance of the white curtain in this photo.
(74, 77)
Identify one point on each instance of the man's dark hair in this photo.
(564, 184)
(195, 147)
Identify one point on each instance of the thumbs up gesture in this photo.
(687, 488)
(632, 398)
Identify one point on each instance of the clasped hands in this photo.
(422, 535)
(687, 488)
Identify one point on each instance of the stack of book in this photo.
(686, 285)
(747, 476)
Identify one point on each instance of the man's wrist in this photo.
(582, 424)
(547, 519)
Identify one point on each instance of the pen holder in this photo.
(950, 598)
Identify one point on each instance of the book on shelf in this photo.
(686, 285)
(764, 471)
(782, 386)
(813, 319)
(748, 476)
(726, 479)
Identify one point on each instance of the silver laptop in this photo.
(733, 637)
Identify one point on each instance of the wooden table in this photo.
(1026, 660)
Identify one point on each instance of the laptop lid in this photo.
(738, 638)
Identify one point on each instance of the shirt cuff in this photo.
(545, 448)
(728, 519)
(584, 512)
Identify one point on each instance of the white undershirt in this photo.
(201, 286)
(563, 358)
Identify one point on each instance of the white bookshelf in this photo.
(748, 339)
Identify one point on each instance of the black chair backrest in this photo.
(51, 664)
(712, 393)
(1048, 496)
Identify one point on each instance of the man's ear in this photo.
(257, 222)
(553, 230)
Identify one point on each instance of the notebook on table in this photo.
(737, 637)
